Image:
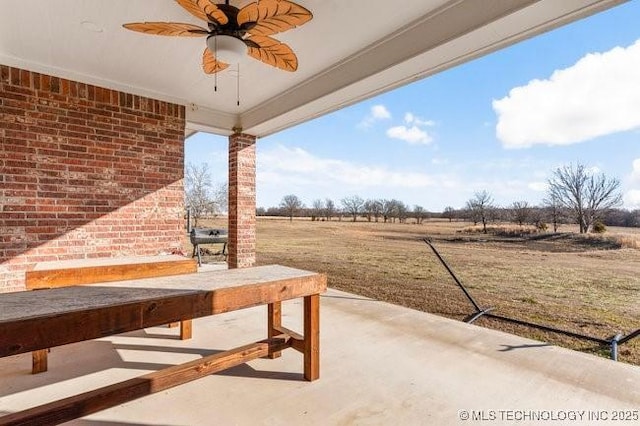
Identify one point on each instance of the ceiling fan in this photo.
(232, 31)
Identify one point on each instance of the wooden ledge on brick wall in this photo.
(88, 271)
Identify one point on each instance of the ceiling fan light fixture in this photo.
(227, 48)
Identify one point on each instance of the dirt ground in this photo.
(586, 285)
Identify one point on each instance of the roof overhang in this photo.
(347, 53)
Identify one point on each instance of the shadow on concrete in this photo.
(366, 299)
(82, 422)
(73, 361)
(507, 348)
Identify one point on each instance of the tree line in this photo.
(575, 195)
(519, 212)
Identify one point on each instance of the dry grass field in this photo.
(586, 285)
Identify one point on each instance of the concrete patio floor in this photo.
(380, 364)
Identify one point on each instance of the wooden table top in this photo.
(39, 319)
(41, 303)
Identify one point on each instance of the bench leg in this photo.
(274, 320)
(185, 330)
(312, 337)
(39, 360)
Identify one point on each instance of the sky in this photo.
(501, 123)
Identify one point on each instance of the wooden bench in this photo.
(90, 271)
(55, 315)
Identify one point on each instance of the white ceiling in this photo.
(349, 51)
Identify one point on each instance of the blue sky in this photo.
(501, 123)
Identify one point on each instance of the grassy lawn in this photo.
(586, 285)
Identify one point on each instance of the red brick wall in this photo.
(242, 201)
(85, 172)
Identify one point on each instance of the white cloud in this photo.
(593, 170)
(409, 118)
(283, 164)
(380, 112)
(412, 132)
(285, 170)
(412, 135)
(598, 95)
(439, 161)
(377, 112)
(537, 186)
(635, 173)
(632, 196)
(632, 199)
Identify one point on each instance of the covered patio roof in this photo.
(349, 51)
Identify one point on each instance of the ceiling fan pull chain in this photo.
(215, 54)
(238, 86)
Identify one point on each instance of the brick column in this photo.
(242, 201)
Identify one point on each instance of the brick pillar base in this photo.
(242, 201)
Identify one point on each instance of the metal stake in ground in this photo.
(613, 343)
(479, 311)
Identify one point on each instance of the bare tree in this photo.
(520, 212)
(401, 211)
(588, 195)
(372, 209)
(198, 196)
(291, 204)
(389, 209)
(480, 207)
(220, 193)
(317, 209)
(449, 213)
(329, 209)
(554, 211)
(353, 205)
(419, 213)
(376, 207)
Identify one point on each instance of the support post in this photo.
(312, 337)
(242, 201)
(39, 361)
(614, 346)
(274, 322)
(185, 330)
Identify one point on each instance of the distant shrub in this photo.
(502, 230)
(628, 241)
(599, 228)
(541, 226)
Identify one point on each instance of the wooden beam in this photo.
(247, 296)
(51, 278)
(274, 320)
(297, 340)
(185, 329)
(39, 361)
(107, 310)
(93, 401)
(312, 337)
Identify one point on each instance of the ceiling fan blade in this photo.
(210, 64)
(205, 10)
(272, 16)
(167, 29)
(272, 52)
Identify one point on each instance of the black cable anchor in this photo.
(613, 343)
(479, 311)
